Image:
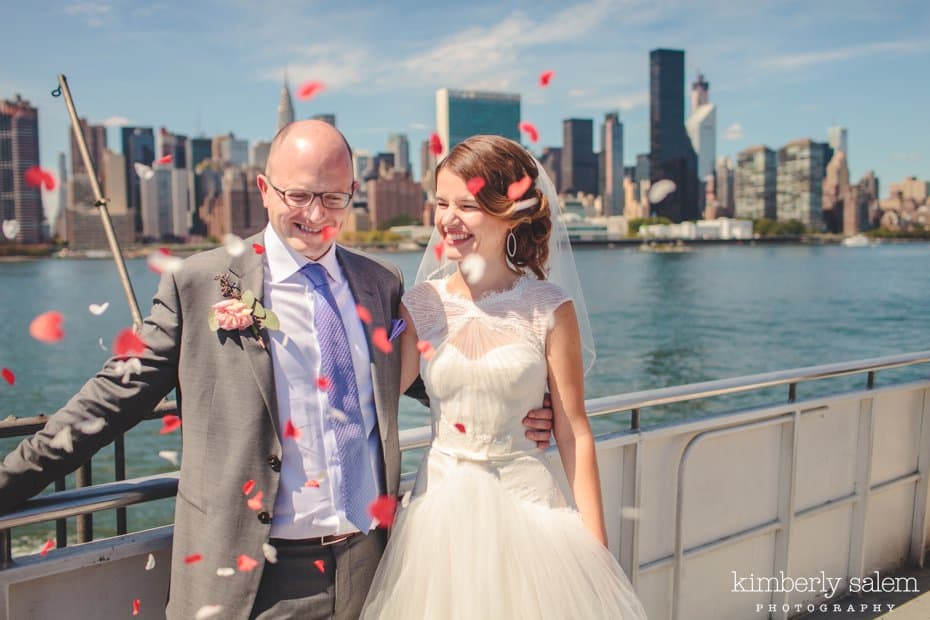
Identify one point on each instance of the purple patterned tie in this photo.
(357, 486)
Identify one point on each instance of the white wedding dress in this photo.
(489, 531)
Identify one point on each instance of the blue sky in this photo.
(778, 69)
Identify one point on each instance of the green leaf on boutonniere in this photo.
(248, 298)
(271, 321)
(211, 320)
(258, 311)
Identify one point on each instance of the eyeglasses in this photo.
(302, 198)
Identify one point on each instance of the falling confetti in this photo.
(91, 427)
(473, 267)
(47, 327)
(329, 232)
(10, 229)
(100, 344)
(437, 250)
(323, 382)
(169, 424)
(291, 431)
(258, 248)
(98, 309)
(167, 159)
(530, 130)
(169, 455)
(313, 484)
(136, 606)
(522, 205)
(225, 571)
(127, 368)
(363, 314)
(379, 339)
(48, 546)
(516, 189)
(474, 185)
(426, 349)
(382, 509)
(145, 172)
(244, 563)
(248, 487)
(435, 144)
(338, 415)
(193, 558)
(660, 190)
(150, 563)
(8, 376)
(128, 344)
(63, 440)
(161, 261)
(320, 566)
(39, 177)
(460, 427)
(270, 553)
(234, 244)
(256, 502)
(208, 611)
(310, 89)
(545, 77)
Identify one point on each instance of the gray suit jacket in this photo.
(230, 432)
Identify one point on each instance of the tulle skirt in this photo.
(475, 545)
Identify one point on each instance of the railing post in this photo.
(61, 525)
(634, 419)
(119, 465)
(792, 392)
(83, 477)
(6, 549)
(870, 382)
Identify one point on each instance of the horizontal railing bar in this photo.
(752, 532)
(19, 427)
(827, 506)
(903, 479)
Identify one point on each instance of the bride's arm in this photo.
(571, 428)
(409, 355)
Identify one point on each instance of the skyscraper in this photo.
(96, 138)
(230, 149)
(199, 152)
(725, 178)
(702, 128)
(464, 113)
(836, 192)
(755, 186)
(671, 154)
(398, 144)
(612, 171)
(168, 143)
(19, 151)
(258, 153)
(285, 106)
(836, 138)
(138, 148)
(801, 169)
(326, 118)
(579, 166)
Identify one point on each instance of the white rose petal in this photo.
(98, 309)
(234, 244)
(160, 262)
(660, 190)
(103, 347)
(405, 500)
(144, 172)
(208, 611)
(150, 563)
(127, 368)
(63, 440)
(225, 572)
(473, 268)
(170, 455)
(338, 415)
(271, 554)
(10, 229)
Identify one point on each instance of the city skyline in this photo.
(779, 73)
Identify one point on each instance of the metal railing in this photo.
(85, 501)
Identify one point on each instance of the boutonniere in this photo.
(240, 310)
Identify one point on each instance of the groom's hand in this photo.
(538, 423)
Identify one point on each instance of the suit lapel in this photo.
(249, 268)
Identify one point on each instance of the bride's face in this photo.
(464, 227)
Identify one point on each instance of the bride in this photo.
(490, 530)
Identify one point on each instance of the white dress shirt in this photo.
(302, 511)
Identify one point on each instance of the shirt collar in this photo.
(284, 262)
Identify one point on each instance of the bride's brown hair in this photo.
(501, 162)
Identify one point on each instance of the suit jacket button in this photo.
(264, 517)
(274, 462)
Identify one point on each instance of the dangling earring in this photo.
(511, 244)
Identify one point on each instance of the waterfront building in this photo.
(579, 167)
(168, 143)
(721, 228)
(165, 207)
(61, 230)
(199, 153)
(427, 164)
(611, 165)
(233, 203)
(326, 117)
(391, 197)
(138, 148)
(285, 105)
(230, 150)
(551, 160)
(95, 136)
(82, 223)
(910, 188)
(755, 184)
(724, 186)
(399, 146)
(837, 139)
(801, 169)
(464, 113)
(671, 154)
(836, 193)
(702, 128)
(19, 151)
(258, 154)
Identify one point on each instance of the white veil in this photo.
(561, 264)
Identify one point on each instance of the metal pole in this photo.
(61, 525)
(101, 204)
(119, 464)
(83, 477)
(6, 549)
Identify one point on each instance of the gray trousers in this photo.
(294, 587)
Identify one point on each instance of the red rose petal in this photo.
(460, 427)
(169, 424)
(248, 487)
(545, 77)
(136, 606)
(48, 181)
(383, 509)
(530, 130)
(48, 546)
(244, 563)
(329, 232)
(426, 349)
(33, 176)
(256, 502)
(437, 250)
(363, 314)
(320, 566)
(259, 248)
(309, 89)
(313, 484)
(9, 376)
(167, 159)
(323, 383)
(128, 344)
(47, 327)
(435, 144)
(379, 339)
(518, 188)
(291, 431)
(193, 558)
(474, 185)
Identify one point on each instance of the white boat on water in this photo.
(710, 517)
(857, 241)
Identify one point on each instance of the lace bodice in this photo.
(489, 363)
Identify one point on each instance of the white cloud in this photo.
(908, 157)
(624, 101)
(580, 92)
(798, 61)
(336, 65)
(115, 121)
(733, 132)
(419, 126)
(93, 13)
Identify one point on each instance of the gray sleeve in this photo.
(34, 463)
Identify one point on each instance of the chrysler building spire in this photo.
(285, 105)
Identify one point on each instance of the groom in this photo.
(288, 434)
